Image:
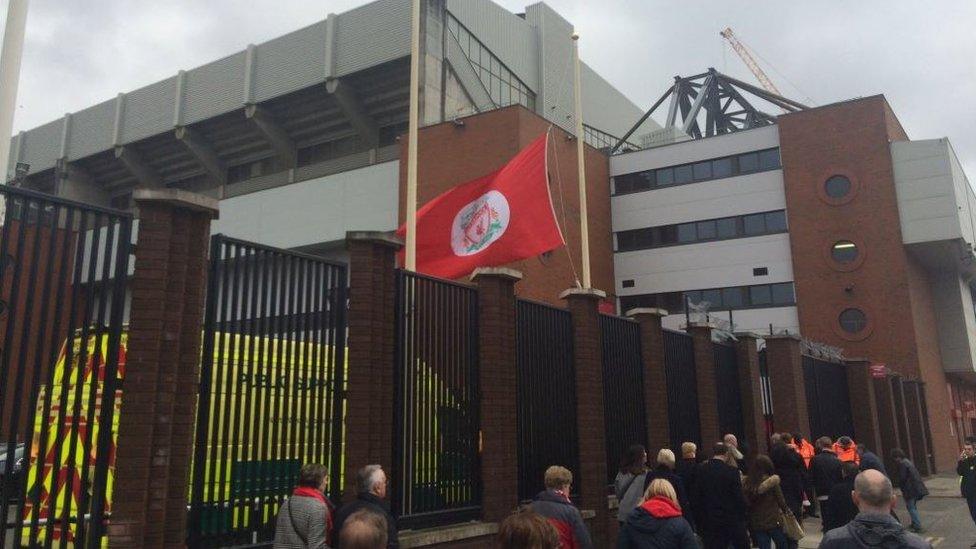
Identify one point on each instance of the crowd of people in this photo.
(725, 500)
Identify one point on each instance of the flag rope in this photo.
(562, 204)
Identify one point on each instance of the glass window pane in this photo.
(721, 168)
(702, 170)
(694, 296)
(625, 241)
(668, 234)
(776, 222)
(748, 162)
(837, 186)
(732, 298)
(844, 251)
(686, 232)
(853, 321)
(682, 174)
(706, 230)
(727, 227)
(760, 295)
(754, 224)
(713, 297)
(769, 160)
(664, 176)
(783, 294)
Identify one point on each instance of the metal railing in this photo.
(623, 389)
(679, 367)
(828, 399)
(729, 397)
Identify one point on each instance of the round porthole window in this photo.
(853, 321)
(844, 251)
(837, 187)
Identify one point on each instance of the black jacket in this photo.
(720, 501)
(870, 460)
(910, 482)
(825, 471)
(872, 530)
(565, 517)
(789, 466)
(644, 531)
(966, 468)
(662, 471)
(842, 508)
(687, 471)
(373, 503)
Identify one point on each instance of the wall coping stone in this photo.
(753, 335)
(583, 292)
(180, 198)
(653, 311)
(782, 336)
(386, 238)
(500, 272)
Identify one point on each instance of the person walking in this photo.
(873, 526)
(912, 487)
(966, 469)
(766, 505)
(824, 473)
(789, 466)
(371, 484)
(629, 483)
(658, 522)
(526, 529)
(305, 518)
(722, 503)
(687, 471)
(732, 443)
(870, 460)
(846, 450)
(554, 505)
(665, 470)
(364, 529)
(842, 508)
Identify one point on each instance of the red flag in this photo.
(502, 217)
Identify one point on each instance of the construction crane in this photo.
(743, 52)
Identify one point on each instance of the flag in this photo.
(496, 219)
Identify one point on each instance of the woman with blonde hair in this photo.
(658, 522)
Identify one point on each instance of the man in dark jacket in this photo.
(912, 487)
(842, 508)
(371, 490)
(687, 471)
(721, 503)
(873, 526)
(870, 460)
(789, 466)
(554, 505)
(966, 468)
(824, 473)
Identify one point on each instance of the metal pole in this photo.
(10, 56)
(411, 252)
(580, 149)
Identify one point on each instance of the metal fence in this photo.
(679, 367)
(436, 472)
(623, 388)
(272, 381)
(766, 391)
(547, 429)
(63, 268)
(730, 416)
(828, 400)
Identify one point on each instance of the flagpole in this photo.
(411, 251)
(584, 222)
(10, 57)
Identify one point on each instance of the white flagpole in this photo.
(580, 149)
(10, 56)
(411, 252)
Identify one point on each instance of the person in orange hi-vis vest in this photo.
(807, 451)
(846, 450)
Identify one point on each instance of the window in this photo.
(776, 222)
(853, 320)
(782, 293)
(844, 251)
(683, 174)
(665, 177)
(504, 87)
(769, 159)
(686, 232)
(731, 298)
(754, 224)
(760, 271)
(706, 230)
(728, 227)
(721, 168)
(702, 231)
(837, 186)
(760, 295)
(748, 162)
(705, 170)
(702, 171)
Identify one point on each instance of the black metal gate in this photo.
(828, 400)
(623, 388)
(271, 387)
(766, 390)
(436, 470)
(547, 430)
(679, 367)
(63, 268)
(730, 419)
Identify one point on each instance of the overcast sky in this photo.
(921, 55)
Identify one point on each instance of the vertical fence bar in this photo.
(623, 387)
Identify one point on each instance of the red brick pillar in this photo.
(785, 364)
(887, 420)
(655, 376)
(864, 404)
(370, 344)
(591, 429)
(498, 381)
(155, 443)
(916, 429)
(705, 381)
(750, 390)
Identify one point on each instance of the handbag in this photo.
(791, 526)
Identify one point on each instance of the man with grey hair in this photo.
(364, 529)
(873, 526)
(371, 485)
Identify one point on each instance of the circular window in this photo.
(844, 251)
(853, 321)
(837, 186)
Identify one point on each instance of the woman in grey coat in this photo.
(629, 484)
(305, 518)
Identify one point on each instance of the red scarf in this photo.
(661, 507)
(307, 492)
